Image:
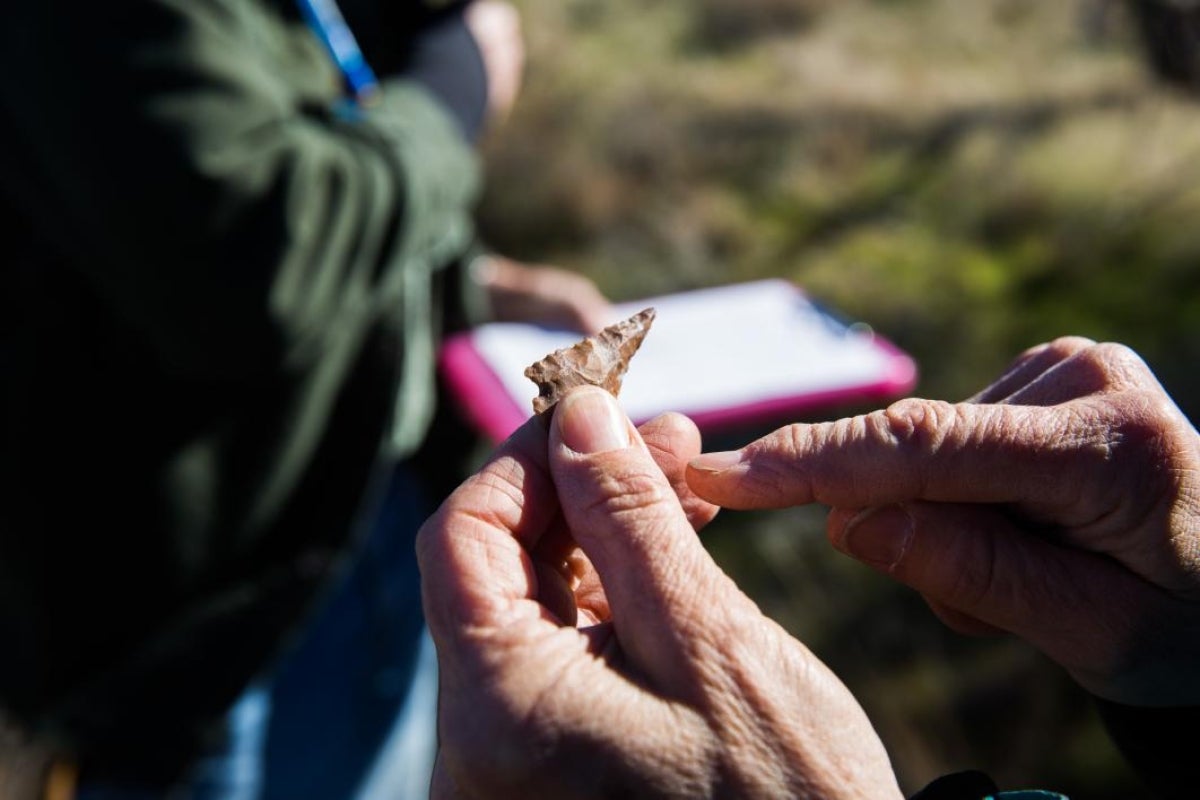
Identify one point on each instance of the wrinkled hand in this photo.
(541, 294)
(1061, 504)
(496, 27)
(671, 684)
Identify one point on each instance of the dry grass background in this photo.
(970, 178)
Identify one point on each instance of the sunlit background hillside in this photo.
(969, 178)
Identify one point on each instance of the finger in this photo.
(1055, 460)
(473, 552)
(673, 441)
(664, 590)
(442, 786)
(568, 584)
(512, 677)
(959, 622)
(589, 310)
(1028, 366)
(568, 576)
(548, 295)
(1094, 370)
(556, 593)
(978, 566)
(591, 318)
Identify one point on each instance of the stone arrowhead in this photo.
(600, 360)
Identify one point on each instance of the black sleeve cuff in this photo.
(970, 785)
(1158, 744)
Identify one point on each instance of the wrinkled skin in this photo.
(589, 647)
(1061, 504)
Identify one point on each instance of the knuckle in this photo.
(1069, 345)
(922, 425)
(1058, 349)
(490, 496)
(671, 435)
(1136, 423)
(626, 492)
(1084, 428)
(428, 541)
(1115, 352)
(1139, 433)
(1116, 366)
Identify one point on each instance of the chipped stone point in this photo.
(600, 360)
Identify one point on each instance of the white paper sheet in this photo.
(713, 349)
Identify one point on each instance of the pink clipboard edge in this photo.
(484, 401)
(477, 391)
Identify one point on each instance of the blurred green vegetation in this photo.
(968, 178)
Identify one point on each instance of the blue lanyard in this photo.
(326, 20)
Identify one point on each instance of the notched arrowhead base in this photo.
(599, 360)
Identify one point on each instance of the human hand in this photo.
(496, 28)
(547, 295)
(673, 683)
(1061, 503)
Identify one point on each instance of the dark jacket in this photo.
(222, 284)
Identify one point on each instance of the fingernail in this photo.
(589, 421)
(878, 536)
(716, 462)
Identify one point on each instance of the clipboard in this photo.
(727, 357)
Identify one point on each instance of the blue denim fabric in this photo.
(349, 712)
(405, 762)
(337, 698)
(231, 770)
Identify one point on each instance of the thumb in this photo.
(974, 565)
(662, 585)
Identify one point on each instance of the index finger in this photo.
(473, 553)
(1040, 457)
